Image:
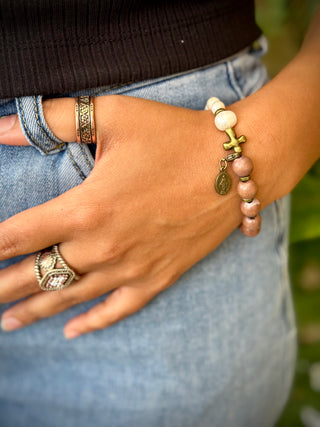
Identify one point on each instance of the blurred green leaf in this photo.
(284, 22)
(305, 217)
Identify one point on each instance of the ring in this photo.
(85, 121)
(50, 276)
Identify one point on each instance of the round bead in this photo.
(216, 106)
(210, 102)
(247, 190)
(242, 166)
(225, 120)
(252, 223)
(250, 209)
(249, 233)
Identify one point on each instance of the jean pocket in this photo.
(39, 136)
(247, 73)
(34, 126)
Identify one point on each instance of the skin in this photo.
(157, 215)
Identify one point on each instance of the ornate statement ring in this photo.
(52, 272)
(85, 121)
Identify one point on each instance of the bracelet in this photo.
(241, 165)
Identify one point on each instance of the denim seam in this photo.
(86, 157)
(160, 80)
(278, 227)
(27, 129)
(233, 80)
(153, 82)
(82, 175)
(43, 130)
(112, 88)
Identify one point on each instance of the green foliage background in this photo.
(285, 23)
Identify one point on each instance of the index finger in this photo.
(59, 115)
(39, 227)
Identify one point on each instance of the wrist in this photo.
(280, 123)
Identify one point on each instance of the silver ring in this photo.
(52, 272)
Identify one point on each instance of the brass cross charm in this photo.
(234, 142)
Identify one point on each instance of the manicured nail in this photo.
(6, 123)
(10, 324)
(71, 334)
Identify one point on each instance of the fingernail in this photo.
(6, 123)
(10, 324)
(71, 334)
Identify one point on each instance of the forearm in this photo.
(298, 86)
(281, 121)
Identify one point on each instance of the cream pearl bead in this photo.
(210, 102)
(225, 120)
(216, 106)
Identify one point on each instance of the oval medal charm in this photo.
(222, 183)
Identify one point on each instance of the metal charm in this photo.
(233, 156)
(223, 179)
(234, 142)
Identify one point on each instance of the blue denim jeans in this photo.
(216, 349)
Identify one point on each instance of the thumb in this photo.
(59, 115)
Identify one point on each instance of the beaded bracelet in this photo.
(242, 167)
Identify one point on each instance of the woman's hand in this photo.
(148, 211)
(145, 215)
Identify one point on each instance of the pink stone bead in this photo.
(250, 209)
(252, 223)
(242, 166)
(247, 190)
(249, 233)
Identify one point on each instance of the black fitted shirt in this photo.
(58, 46)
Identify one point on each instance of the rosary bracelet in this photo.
(242, 167)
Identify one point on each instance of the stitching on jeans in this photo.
(43, 149)
(279, 226)
(36, 111)
(112, 88)
(86, 156)
(159, 80)
(233, 80)
(81, 147)
(26, 128)
(82, 176)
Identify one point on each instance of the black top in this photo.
(57, 46)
